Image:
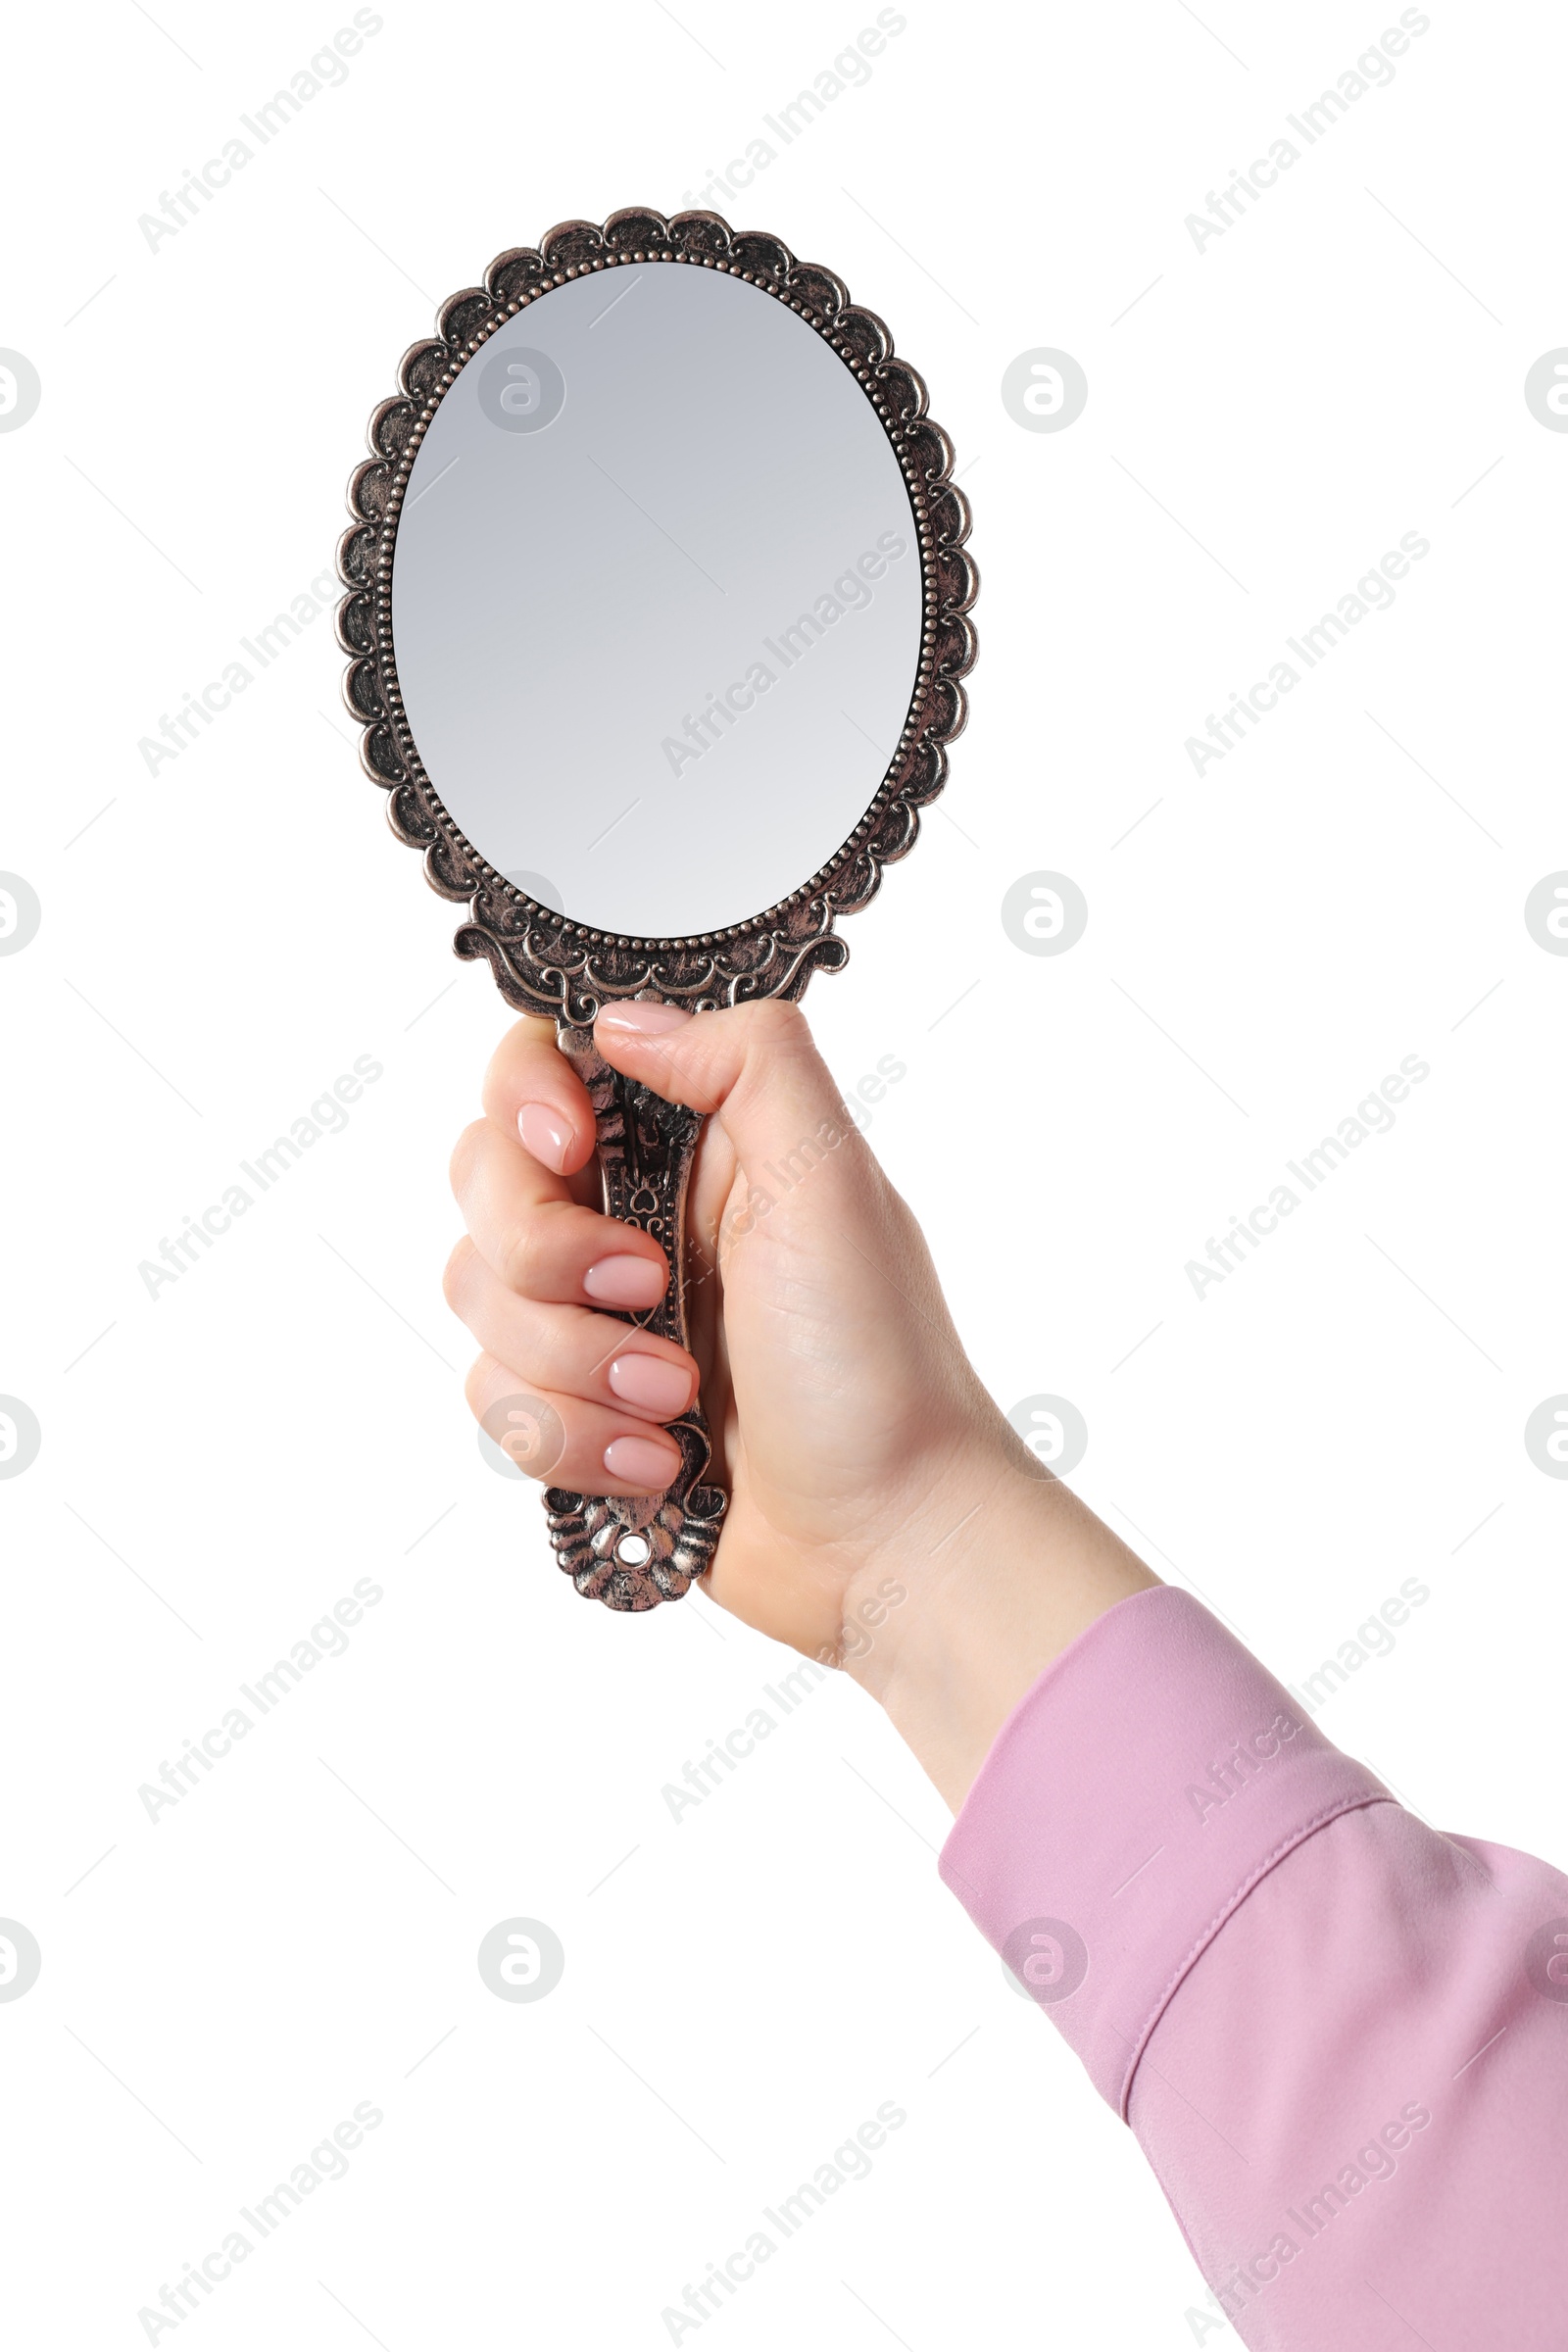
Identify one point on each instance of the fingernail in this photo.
(545, 1134)
(643, 1020)
(642, 1463)
(625, 1282)
(657, 1385)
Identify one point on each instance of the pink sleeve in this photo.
(1340, 2038)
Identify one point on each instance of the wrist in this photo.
(996, 1570)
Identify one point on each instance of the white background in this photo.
(219, 940)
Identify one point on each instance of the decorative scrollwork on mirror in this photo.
(543, 962)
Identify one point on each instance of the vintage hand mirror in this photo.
(658, 609)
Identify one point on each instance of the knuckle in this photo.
(455, 1274)
(465, 1156)
(524, 1054)
(772, 1022)
(542, 1246)
(523, 1257)
(777, 1033)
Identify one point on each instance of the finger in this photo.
(566, 1441)
(569, 1351)
(532, 1091)
(754, 1065)
(540, 1241)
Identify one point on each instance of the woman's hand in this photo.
(883, 1515)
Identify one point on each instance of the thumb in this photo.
(753, 1065)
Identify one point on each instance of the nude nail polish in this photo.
(625, 1282)
(546, 1136)
(657, 1385)
(643, 1020)
(642, 1463)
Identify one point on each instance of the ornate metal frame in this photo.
(543, 962)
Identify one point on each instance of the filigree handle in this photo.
(632, 1551)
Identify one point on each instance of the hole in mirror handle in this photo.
(633, 1552)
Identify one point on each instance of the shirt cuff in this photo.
(1133, 1797)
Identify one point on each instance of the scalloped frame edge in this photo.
(543, 962)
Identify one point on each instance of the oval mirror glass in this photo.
(657, 601)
